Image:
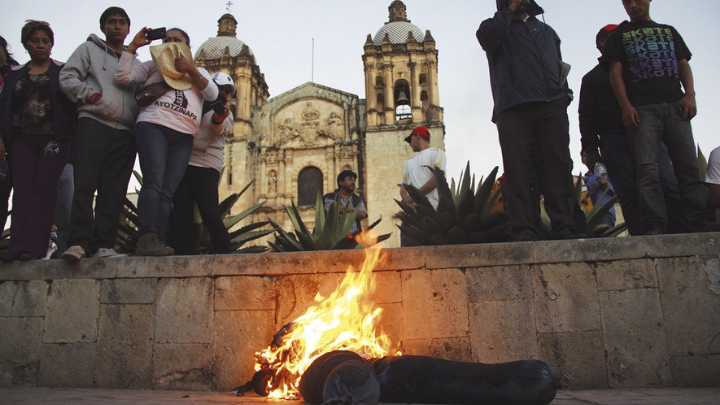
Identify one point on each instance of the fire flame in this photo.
(345, 320)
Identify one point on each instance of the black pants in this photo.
(104, 159)
(198, 187)
(543, 127)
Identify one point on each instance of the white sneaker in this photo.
(107, 253)
(74, 253)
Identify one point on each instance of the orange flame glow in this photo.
(345, 320)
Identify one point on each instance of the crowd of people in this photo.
(69, 134)
(635, 111)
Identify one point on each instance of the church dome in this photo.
(398, 32)
(215, 47)
(398, 27)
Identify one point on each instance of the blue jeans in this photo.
(164, 155)
(618, 157)
(663, 123)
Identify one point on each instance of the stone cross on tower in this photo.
(227, 6)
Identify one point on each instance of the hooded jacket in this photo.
(90, 70)
(524, 58)
(209, 146)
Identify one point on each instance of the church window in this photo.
(310, 185)
(380, 102)
(424, 99)
(423, 78)
(379, 81)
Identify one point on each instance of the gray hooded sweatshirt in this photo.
(90, 70)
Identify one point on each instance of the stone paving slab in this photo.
(76, 396)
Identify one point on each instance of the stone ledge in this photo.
(396, 259)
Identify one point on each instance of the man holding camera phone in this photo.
(104, 145)
(199, 185)
(529, 87)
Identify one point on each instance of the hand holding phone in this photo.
(157, 33)
(218, 107)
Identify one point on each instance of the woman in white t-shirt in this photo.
(165, 128)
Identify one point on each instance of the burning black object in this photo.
(340, 378)
(266, 374)
(421, 379)
(259, 383)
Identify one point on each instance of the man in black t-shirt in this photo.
(648, 62)
(601, 126)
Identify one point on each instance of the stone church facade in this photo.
(295, 144)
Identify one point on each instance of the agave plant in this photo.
(592, 217)
(463, 215)
(128, 234)
(332, 231)
(702, 164)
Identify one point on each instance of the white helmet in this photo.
(223, 79)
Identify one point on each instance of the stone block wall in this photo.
(624, 312)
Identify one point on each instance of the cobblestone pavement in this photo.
(74, 396)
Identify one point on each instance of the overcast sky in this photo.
(280, 34)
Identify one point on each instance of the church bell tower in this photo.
(401, 91)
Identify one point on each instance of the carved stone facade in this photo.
(317, 127)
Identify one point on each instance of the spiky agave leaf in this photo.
(288, 242)
(466, 183)
(430, 226)
(337, 226)
(578, 189)
(615, 231)
(418, 197)
(702, 163)
(296, 220)
(465, 204)
(249, 228)
(252, 249)
(445, 198)
(227, 204)
(599, 211)
(233, 220)
(457, 236)
(345, 224)
(415, 234)
(484, 191)
(319, 213)
(487, 210)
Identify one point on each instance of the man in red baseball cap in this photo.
(417, 171)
